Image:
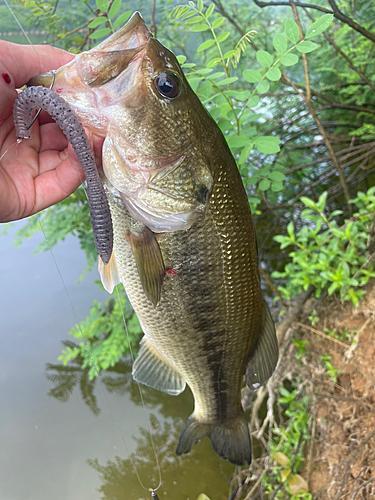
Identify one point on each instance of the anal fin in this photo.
(149, 262)
(263, 360)
(151, 369)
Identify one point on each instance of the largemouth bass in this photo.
(184, 244)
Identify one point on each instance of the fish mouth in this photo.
(104, 62)
(132, 35)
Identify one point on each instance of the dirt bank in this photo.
(343, 411)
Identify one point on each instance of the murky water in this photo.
(74, 449)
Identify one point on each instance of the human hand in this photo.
(43, 170)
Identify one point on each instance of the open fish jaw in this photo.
(153, 158)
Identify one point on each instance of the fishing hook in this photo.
(40, 109)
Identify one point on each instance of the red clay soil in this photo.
(342, 465)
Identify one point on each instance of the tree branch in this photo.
(335, 11)
(347, 20)
(342, 53)
(153, 27)
(225, 14)
(299, 4)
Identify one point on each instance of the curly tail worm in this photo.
(33, 98)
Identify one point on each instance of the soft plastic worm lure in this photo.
(33, 98)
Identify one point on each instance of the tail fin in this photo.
(230, 440)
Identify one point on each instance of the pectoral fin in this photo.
(109, 273)
(149, 261)
(263, 361)
(151, 369)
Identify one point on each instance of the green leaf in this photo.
(203, 496)
(200, 5)
(277, 186)
(228, 54)
(205, 45)
(100, 33)
(240, 95)
(289, 59)
(227, 81)
(279, 43)
(102, 5)
(291, 30)
(238, 141)
(290, 229)
(213, 62)
(276, 176)
(121, 20)
(319, 25)
(217, 75)
(263, 87)
(251, 181)
(199, 27)
(181, 59)
(264, 58)
(218, 22)
(253, 101)
(273, 74)
(306, 47)
(204, 71)
(267, 144)
(210, 10)
(322, 201)
(98, 21)
(244, 156)
(179, 11)
(194, 20)
(264, 185)
(115, 7)
(309, 203)
(223, 37)
(251, 75)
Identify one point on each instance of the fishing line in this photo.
(86, 344)
(141, 395)
(24, 32)
(18, 141)
(98, 373)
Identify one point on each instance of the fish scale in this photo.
(184, 243)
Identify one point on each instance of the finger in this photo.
(26, 61)
(56, 185)
(52, 137)
(25, 152)
(21, 62)
(44, 117)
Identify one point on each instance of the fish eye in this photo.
(168, 85)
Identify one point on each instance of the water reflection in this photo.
(183, 477)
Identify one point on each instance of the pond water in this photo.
(61, 436)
